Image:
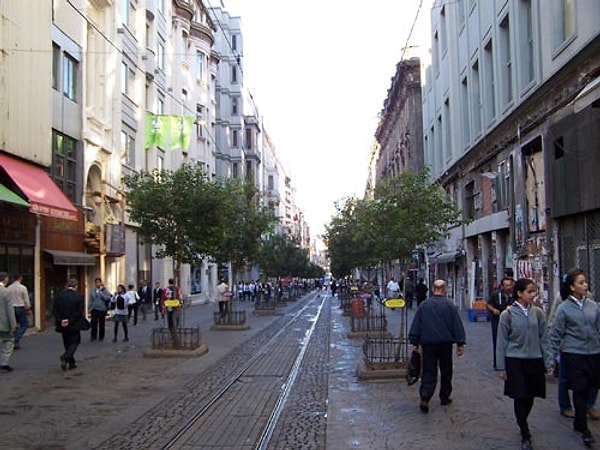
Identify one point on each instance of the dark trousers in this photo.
(133, 309)
(222, 309)
(98, 323)
(579, 402)
(157, 310)
(144, 310)
(434, 355)
(71, 340)
(522, 407)
(173, 318)
(116, 330)
(494, 320)
(21, 316)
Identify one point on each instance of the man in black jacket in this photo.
(435, 328)
(68, 313)
(146, 296)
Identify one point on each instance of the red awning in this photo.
(44, 195)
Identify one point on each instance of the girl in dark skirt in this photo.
(521, 348)
(576, 330)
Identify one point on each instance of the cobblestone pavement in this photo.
(118, 399)
(385, 415)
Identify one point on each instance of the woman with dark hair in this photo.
(521, 347)
(119, 306)
(576, 331)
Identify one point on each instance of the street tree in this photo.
(246, 221)
(280, 255)
(178, 211)
(400, 215)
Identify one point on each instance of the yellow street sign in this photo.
(394, 303)
(354, 288)
(172, 303)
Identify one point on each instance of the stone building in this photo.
(509, 127)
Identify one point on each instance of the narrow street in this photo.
(150, 399)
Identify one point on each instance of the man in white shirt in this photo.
(19, 299)
(393, 288)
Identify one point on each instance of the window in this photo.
(128, 148)
(460, 6)
(271, 183)
(565, 20)
(526, 43)
(125, 12)
(248, 138)
(55, 66)
(503, 185)
(128, 14)
(234, 74)
(249, 174)
(475, 99)
(436, 53)
(233, 42)
(234, 106)
(160, 106)
(443, 41)
(64, 164)
(234, 170)
(160, 4)
(160, 55)
(466, 130)
(199, 65)
(69, 76)
(234, 138)
(124, 78)
(469, 209)
(505, 62)
(447, 131)
(489, 88)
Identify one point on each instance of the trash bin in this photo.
(358, 307)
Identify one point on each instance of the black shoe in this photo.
(17, 346)
(446, 402)
(424, 406)
(72, 366)
(92, 339)
(63, 363)
(526, 444)
(6, 369)
(115, 340)
(587, 437)
(126, 340)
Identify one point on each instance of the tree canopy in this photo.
(402, 214)
(280, 255)
(190, 216)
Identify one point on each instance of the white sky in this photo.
(319, 71)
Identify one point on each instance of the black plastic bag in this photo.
(414, 368)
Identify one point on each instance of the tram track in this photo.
(182, 438)
(268, 393)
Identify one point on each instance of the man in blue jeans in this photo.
(19, 299)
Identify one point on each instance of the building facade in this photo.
(498, 106)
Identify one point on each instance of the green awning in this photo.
(6, 195)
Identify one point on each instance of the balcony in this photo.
(150, 64)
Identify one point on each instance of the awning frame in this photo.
(64, 258)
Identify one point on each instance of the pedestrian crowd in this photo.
(526, 348)
(68, 308)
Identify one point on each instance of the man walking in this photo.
(157, 298)
(68, 313)
(99, 299)
(145, 295)
(435, 328)
(8, 324)
(498, 302)
(19, 299)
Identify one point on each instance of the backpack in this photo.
(120, 302)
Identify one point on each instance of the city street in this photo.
(119, 399)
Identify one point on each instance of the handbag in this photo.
(85, 324)
(414, 368)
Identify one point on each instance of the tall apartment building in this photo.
(510, 127)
